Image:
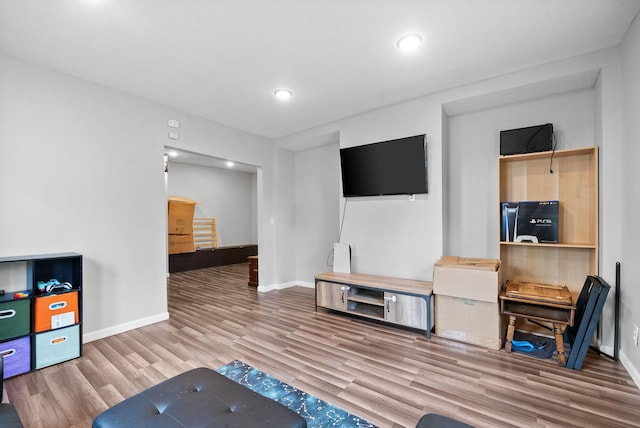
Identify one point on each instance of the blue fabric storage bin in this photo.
(56, 346)
(17, 356)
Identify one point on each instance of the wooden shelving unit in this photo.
(570, 177)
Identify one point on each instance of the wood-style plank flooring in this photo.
(387, 375)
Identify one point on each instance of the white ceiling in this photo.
(222, 59)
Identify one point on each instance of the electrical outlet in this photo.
(635, 335)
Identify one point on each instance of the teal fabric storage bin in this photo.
(15, 318)
(56, 346)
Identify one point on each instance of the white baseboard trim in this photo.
(633, 371)
(306, 284)
(121, 328)
(267, 288)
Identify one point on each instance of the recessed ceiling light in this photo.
(283, 93)
(230, 164)
(409, 42)
(172, 153)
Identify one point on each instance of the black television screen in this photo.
(394, 167)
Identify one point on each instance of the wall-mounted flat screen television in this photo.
(393, 167)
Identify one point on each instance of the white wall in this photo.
(253, 197)
(388, 235)
(630, 268)
(82, 170)
(317, 209)
(284, 221)
(474, 148)
(391, 236)
(226, 195)
(201, 136)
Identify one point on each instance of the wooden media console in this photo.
(405, 302)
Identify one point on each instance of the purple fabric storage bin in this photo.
(17, 356)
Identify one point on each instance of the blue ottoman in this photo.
(432, 420)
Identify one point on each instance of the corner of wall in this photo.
(634, 372)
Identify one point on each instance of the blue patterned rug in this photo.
(318, 413)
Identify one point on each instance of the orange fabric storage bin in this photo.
(55, 311)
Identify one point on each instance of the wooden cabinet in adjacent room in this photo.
(253, 271)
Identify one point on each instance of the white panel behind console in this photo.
(341, 257)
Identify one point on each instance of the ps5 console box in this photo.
(530, 221)
(537, 221)
(508, 214)
(466, 302)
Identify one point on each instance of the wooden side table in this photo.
(540, 302)
(253, 271)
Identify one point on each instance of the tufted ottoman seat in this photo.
(198, 398)
(432, 420)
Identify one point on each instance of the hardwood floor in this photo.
(387, 375)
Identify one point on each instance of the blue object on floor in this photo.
(533, 345)
(522, 345)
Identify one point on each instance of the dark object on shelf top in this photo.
(531, 139)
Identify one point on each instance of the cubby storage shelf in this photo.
(43, 328)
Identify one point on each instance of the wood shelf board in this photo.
(559, 245)
(366, 312)
(371, 300)
(379, 282)
(547, 154)
(39, 257)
